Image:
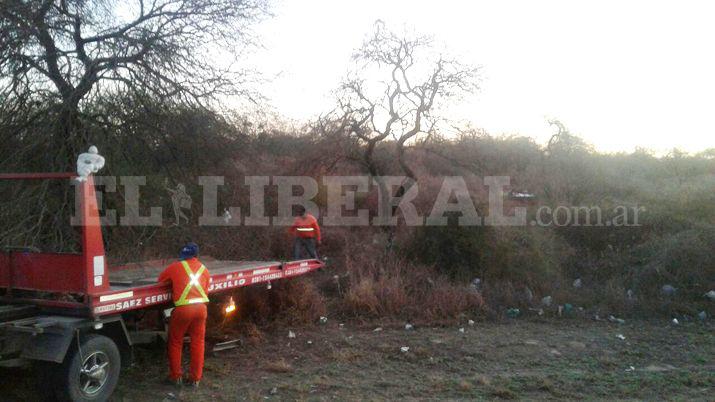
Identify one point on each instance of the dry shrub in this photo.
(392, 287)
(295, 301)
(449, 300)
(251, 333)
(383, 296)
(298, 301)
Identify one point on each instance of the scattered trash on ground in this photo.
(323, 320)
(654, 368)
(630, 368)
(568, 308)
(513, 312)
(710, 295)
(667, 290)
(461, 330)
(476, 284)
(274, 391)
(470, 322)
(546, 301)
(629, 294)
(555, 352)
(341, 326)
(577, 283)
(675, 321)
(702, 315)
(621, 337)
(405, 349)
(528, 294)
(616, 319)
(291, 334)
(309, 342)
(539, 311)
(378, 329)
(226, 345)
(409, 327)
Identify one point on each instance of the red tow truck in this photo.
(79, 318)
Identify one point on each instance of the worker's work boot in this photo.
(175, 382)
(193, 384)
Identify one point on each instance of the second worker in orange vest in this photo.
(189, 281)
(306, 234)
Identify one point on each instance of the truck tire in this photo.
(90, 375)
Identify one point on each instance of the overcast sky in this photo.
(619, 73)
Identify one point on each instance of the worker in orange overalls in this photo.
(189, 281)
(306, 233)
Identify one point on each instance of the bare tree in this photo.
(395, 94)
(396, 90)
(68, 50)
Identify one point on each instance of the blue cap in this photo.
(190, 250)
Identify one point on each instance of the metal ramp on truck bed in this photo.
(146, 273)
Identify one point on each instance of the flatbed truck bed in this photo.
(135, 286)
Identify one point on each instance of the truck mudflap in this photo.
(48, 338)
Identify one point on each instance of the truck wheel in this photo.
(92, 374)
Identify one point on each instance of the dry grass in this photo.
(393, 287)
(346, 355)
(279, 366)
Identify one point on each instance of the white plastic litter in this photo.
(88, 163)
(621, 337)
(409, 327)
(309, 342)
(405, 349)
(675, 321)
(616, 320)
(323, 320)
(528, 294)
(291, 334)
(710, 295)
(577, 283)
(476, 284)
(470, 322)
(461, 330)
(378, 329)
(630, 368)
(546, 301)
(668, 290)
(702, 315)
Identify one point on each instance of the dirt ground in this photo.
(517, 359)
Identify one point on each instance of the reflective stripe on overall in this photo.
(193, 283)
